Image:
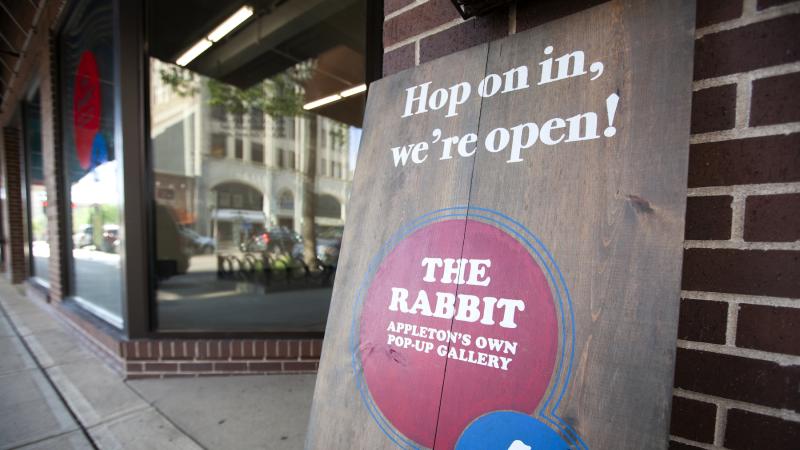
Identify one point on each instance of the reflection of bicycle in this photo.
(274, 267)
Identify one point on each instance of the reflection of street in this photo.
(199, 300)
(97, 280)
(41, 256)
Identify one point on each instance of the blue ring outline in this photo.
(546, 411)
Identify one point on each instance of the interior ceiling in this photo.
(280, 34)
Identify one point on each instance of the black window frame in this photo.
(146, 235)
(25, 161)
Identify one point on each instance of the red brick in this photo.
(131, 351)
(693, 420)
(138, 350)
(225, 349)
(708, 217)
(316, 346)
(259, 349)
(299, 366)
(751, 431)
(769, 328)
(710, 12)
(761, 44)
(202, 350)
(176, 349)
(275, 349)
(771, 159)
(534, 13)
(418, 20)
(266, 366)
(464, 35)
(134, 367)
(161, 367)
(390, 6)
(750, 272)
(251, 349)
(775, 100)
(772, 218)
(15, 239)
(398, 59)
(292, 349)
(196, 367)
(714, 109)
(306, 350)
(248, 349)
(703, 321)
(230, 366)
(238, 350)
(764, 4)
(744, 379)
(210, 350)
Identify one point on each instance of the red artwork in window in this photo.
(86, 107)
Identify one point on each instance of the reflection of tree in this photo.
(283, 95)
(309, 199)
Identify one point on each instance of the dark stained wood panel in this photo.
(559, 329)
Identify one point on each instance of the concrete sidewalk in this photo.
(56, 394)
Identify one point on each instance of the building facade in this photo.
(135, 187)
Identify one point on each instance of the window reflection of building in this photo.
(217, 147)
(248, 226)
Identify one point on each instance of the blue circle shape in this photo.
(509, 430)
(99, 151)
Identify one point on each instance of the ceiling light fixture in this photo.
(230, 23)
(193, 52)
(222, 30)
(322, 101)
(353, 91)
(335, 97)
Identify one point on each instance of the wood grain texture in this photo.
(383, 199)
(610, 211)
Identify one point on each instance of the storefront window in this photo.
(92, 170)
(36, 193)
(248, 239)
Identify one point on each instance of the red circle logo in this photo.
(86, 107)
(459, 321)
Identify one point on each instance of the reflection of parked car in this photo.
(110, 241)
(83, 237)
(329, 242)
(276, 240)
(197, 243)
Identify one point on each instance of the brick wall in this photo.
(737, 376)
(192, 358)
(53, 168)
(13, 227)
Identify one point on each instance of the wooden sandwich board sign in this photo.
(511, 264)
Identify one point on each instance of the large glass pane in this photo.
(251, 175)
(93, 172)
(38, 245)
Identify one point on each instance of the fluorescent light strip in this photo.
(353, 91)
(193, 52)
(322, 101)
(218, 33)
(335, 97)
(230, 23)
